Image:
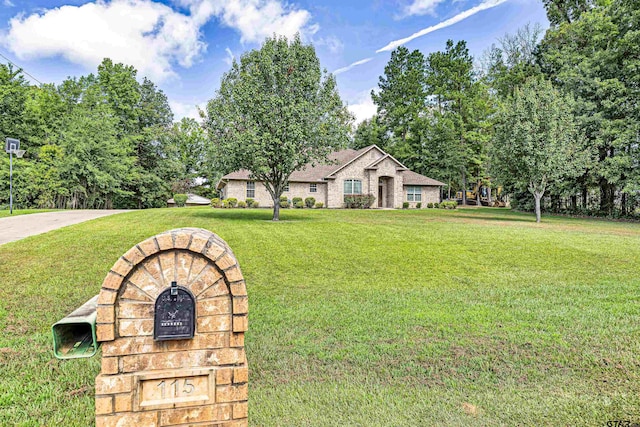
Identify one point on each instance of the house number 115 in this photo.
(175, 389)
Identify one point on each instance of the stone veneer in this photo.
(197, 382)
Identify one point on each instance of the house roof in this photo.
(376, 162)
(338, 161)
(311, 173)
(412, 178)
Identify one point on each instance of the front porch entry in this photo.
(385, 192)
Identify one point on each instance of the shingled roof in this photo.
(338, 159)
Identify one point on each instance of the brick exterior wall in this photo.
(331, 193)
(430, 194)
(197, 381)
(238, 189)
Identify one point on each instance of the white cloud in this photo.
(8, 3)
(420, 7)
(363, 107)
(150, 36)
(229, 58)
(147, 34)
(332, 43)
(181, 109)
(350, 66)
(487, 4)
(254, 19)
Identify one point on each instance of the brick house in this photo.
(366, 171)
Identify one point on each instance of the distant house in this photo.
(366, 171)
(192, 200)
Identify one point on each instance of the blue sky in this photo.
(185, 46)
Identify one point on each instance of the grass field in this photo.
(372, 318)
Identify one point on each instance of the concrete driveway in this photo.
(18, 227)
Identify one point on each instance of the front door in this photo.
(380, 195)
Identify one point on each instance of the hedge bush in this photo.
(249, 201)
(180, 199)
(309, 202)
(216, 203)
(359, 201)
(233, 202)
(319, 205)
(298, 204)
(405, 205)
(284, 202)
(430, 205)
(255, 204)
(242, 204)
(419, 205)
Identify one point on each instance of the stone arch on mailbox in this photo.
(198, 378)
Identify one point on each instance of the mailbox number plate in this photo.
(156, 391)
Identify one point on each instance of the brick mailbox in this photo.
(171, 318)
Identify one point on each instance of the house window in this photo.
(414, 194)
(286, 187)
(313, 188)
(352, 186)
(251, 189)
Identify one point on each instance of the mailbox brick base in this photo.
(199, 381)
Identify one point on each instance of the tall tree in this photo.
(567, 11)
(276, 111)
(536, 143)
(401, 96)
(595, 57)
(457, 94)
(370, 132)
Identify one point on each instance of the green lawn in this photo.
(374, 318)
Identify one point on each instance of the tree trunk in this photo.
(276, 209)
(607, 197)
(478, 201)
(538, 197)
(538, 191)
(464, 187)
(489, 199)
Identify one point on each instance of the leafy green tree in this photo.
(187, 151)
(536, 143)
(276, 111)
(567, 11)
(13, 96)
(401, 97)
(457, 95)
(370, 132)
(594, 56)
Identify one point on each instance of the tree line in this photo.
(552, 120)
(104, 140)
(554, 116)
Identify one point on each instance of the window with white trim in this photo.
(313, 188)
(251, 189)
(352, 186)
(286, 187)
(414, 194)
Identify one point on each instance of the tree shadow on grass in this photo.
(251, 215)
